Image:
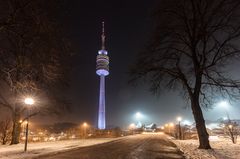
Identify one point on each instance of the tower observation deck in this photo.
(102, 69)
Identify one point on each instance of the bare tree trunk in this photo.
(4, 141)
(4, 130)
(16, 128)
(200, 125)
(232, 135)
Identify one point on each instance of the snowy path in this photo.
(47, 148)
(146, 146)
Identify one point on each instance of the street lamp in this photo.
(85, 129)
(132, 127)
(179, 119)
(28, 101)
(225, 105)
(138, 116)
(225, 118)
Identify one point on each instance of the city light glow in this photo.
(186, 122)
(225, 118)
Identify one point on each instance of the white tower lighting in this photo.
(102, 70)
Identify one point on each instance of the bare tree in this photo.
(5, 131)
(33, 59)
(231, 128)
(193, 43)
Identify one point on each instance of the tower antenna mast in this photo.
(103, 36)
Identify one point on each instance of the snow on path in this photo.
(142, 146)
(222, 149)
(38, 149)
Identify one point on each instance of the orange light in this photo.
(85, 124)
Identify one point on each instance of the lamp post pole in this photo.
(27, 101)
(180, 132)
(85, 129)
(131, 127)
(26, 133)
(85, 132)
(179, 119)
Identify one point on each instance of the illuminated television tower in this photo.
(102, 70)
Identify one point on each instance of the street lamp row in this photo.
(170, 125)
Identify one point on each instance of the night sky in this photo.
(128, 26)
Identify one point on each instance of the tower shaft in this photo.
(102, 69)
(101, 111)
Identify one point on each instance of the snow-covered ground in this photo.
(44, 148)
(222, 149)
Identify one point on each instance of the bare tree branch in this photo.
(194, 40)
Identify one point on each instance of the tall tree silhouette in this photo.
(193, 43)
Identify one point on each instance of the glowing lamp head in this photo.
(138, 115)
(179, 119)
(223, 104)
(29, 101)
(225, 118)
(85, 124)
(132, 126)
